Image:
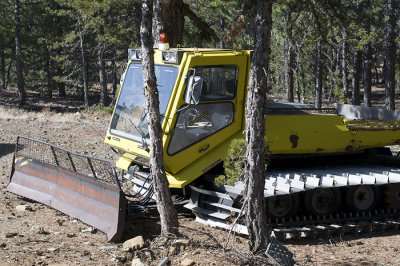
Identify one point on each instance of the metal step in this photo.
(222, 206)
(218, 215)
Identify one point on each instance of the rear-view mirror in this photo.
(193, 90)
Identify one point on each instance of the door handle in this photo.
(204, 148)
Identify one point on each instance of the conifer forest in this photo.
(337, 49)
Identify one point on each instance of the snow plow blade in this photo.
(80, 186)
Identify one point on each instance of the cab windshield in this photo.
(130, 116)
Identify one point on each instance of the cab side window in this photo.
(219, 82)
(214, 112)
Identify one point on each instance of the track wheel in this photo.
(362, 198)
(392, 196)
(282, 206)
(322, 201)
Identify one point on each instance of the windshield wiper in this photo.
(145, 146)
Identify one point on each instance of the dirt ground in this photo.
(41, 235)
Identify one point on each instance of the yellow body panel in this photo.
(183, 159)
(290, 133)
(123, 163)
(321, 133)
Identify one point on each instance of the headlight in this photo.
(170, 57)
(135, 54)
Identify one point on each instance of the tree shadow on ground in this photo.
(36, 102)
(335, 239)
(146, 225)
(6, 148)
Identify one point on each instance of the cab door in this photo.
(197, 129)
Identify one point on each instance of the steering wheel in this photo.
(190, 116)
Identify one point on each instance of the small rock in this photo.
(22, 208)
(11, 234)
(56, 233)
(119, 259)
(138, 262)
(307, 259)
(3, 245)
(187, 262)
(52, 249)
(91, 230)
(86, 258)
(109, 246)
(359, 243)
(71, 235)
(172, 251)
(133, 243)
(196, 252)
(38, 229)
(78, 115)
(122, 259)
(180, 242)
(61, 245)
(149, 255)
(60, 222)
(88, 243)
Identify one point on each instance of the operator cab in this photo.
(201, 94)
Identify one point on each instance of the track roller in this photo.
(322, 201)
(362, 198)
(282, 206)
(392, 196)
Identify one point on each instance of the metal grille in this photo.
(372, 125)
(278, 254)
(51, 154)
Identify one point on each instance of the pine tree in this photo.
(255, 130)
(169, 220)
(18, 56)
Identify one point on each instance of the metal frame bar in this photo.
(69, 153)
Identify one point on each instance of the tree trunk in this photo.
(240, 24)
(318, 75)
(303, 86)
(2, 69)
(114, 72)
(84, 71)
(355, 83)
(344, 63)
(168, 216)
(137, 14)
(375, 60)
(18, 58)
(158, 22)
(289, 60)
(255, 130)
(390, 55)
(367, 77)
(102, 75)
(174, 18)
(172, 22)
(60, 84)
(49, 75)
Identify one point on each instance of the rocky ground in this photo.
(32, 233)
